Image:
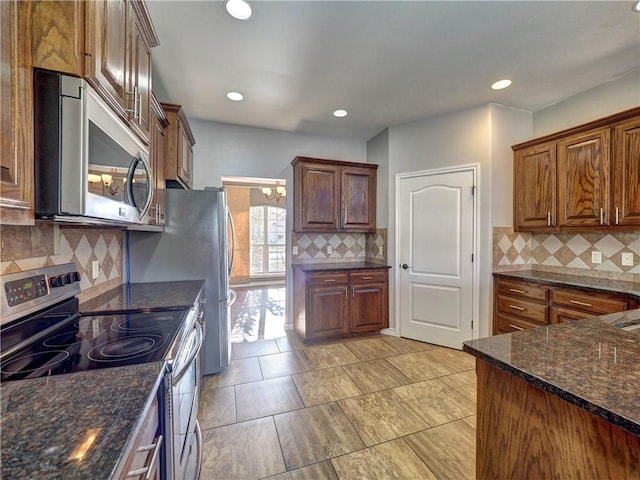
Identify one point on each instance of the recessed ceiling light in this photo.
(500, 84)
(636, 7)
(235, 96)
(238, 9)
(340, 113)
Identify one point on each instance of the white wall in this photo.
(378, 153)
(621, 93)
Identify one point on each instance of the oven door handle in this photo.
(178, 376)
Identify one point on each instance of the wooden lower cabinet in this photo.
(337, 304)
(143, 461)
(525, 433)
(519, 304)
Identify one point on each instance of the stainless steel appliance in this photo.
(89, 167)
(194, 245)
(43, 334)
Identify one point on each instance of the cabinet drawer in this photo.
(318, 279)
(514, 288)
(365, 276)
(522, 308)
(596, 303)
(144, 458)
(561, 314)
(508, 324)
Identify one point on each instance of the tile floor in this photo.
(377, 407)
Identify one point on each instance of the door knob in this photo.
(404, 266)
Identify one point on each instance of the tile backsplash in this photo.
(24, 248)
(567, 252)
(345, 247)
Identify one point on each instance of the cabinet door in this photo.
(16, 115)
(185, 156)
(139, 80)
(358, 191)
(534, 187)
(626, 176)
(156, 152)
(106, 43)
(317, 197)
(368, 307)
(328, 311)
(583, 179)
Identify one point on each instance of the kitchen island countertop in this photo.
(45, 420)
(335, 266)
(145, 296)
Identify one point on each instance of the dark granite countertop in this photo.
(145, 296)
(334, 266)
(590, 363)
(44, 420)
(603, 285)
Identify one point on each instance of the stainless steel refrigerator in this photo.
(194, 245)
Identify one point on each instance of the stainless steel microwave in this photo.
(89, 167)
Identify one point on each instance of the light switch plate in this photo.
(329, 249)
(596, 257)
(294, 250)
(627, 259)
(95, 269)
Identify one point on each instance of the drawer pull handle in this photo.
(329, 280)
(516, 290)
(584, 304)
(367, 278)
(148, 469)
(516, 327)
(617, 216)
(515, 307)
(548, 218)
(601, 216)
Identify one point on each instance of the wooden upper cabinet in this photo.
(119, 38)
(334, 196)
(159, 124)
(534, 187)
(358, 195)
(589, 174)
(106, 44)
(626, 176)
(583, 179)
(178, 167)
(16, 114)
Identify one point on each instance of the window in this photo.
(267, 230)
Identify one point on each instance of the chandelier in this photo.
(277, 193)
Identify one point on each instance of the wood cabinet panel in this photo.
(324, 279)
(142, 453)
(531, 311)
(16, 114)
(179, 148)
(583, 179)
(524, 432)
(562, 314)
(369, 306)
(525, 290)
(534, 187)
(157, 139)
(139, 79)
(317, 197)
(626, 177)
(506, 324)
(358, 192)
(329, 309)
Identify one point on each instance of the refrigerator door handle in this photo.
(233, 240)
(231, 297)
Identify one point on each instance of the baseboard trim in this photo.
(389, 331)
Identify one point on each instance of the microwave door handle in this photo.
(129, 199)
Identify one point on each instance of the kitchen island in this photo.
(560, 401)
(75, 426)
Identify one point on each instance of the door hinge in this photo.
(473, 190)
(471, 324)
(472, 257)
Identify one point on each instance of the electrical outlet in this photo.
(627, 259)
(329, 249)
(294, 250)
(95, 269)
(596, 257)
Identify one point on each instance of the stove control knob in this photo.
(59, 281)
(69, 278)
(76, 276)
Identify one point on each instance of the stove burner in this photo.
(65, 340)
(31, 362)
(145, 322)
(125, 348)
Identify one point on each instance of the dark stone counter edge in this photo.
(328, 267)
(569, 283)
(603, 413)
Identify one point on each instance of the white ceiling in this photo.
(386, 62)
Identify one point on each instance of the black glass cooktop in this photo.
(65, 342)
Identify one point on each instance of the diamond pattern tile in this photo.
(346, 247)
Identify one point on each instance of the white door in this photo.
(436, 238)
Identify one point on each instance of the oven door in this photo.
(185, 385)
